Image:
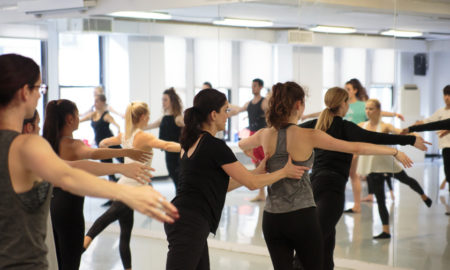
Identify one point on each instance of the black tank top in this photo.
(101, 129)
(168, 129)
(23, 218)
(256, 116)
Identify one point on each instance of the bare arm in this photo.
(108, 118)
(136, 171)
(179, 120)
(116, 140)
(234, 109)
(393, 114)
(111, 109)
(155, 124)
(39, 158)
(239, 173)
(251, 142)
(150, 140)
(86, 117)
(233, 184)
(82, 151)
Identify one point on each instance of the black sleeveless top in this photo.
(168, 129)
(101, 129)
(256, 116)
(23, 218)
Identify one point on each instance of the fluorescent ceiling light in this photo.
(141, 15)
(243, 22)
(333, 29)
(8, 8)
(401, 33)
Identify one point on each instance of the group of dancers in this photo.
(301, 209)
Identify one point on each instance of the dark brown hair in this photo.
(446, 90)
(205, 102)
(175, 101)
(16, 71)
(55, 120)
(361, 93)
(284, 96)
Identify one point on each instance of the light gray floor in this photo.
(421, 235)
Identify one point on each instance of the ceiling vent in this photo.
(90, 25)
(300, 37)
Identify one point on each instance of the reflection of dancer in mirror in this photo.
(97, 92)
(443, 137)
(256, 109)
(290, 221)
(27, 159)
(170, 125)
(331, 169)
(136, 119)
(357, 97)
(376, 167)
(100, 120)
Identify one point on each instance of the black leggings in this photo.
(188, 246)
(117, 211)
(297, 231)
(329, 194)
(446, 158)
(112, 177)
(68, 228)
(377, 181)
(173, 166)
(400, 176)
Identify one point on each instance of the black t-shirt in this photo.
(438, 125)
(203, 182)
(339, 162)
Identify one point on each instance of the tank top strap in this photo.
(103, 115)
(379, 129)
(281, 141)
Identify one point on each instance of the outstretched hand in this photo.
(403, 159)
(420, 143)
(294, 171)
(138, 172)
(442, 133)
(400, 116)
(139, 155)
(405, 131)
(150, 202)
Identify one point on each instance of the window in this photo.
(384, 94)
(213, 63)
(353, 65)
(79, 74)
(175, 65)
(383, 66)
(29, 48)
(256, 62)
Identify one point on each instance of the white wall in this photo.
(147, 82)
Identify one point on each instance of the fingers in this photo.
(425, 142)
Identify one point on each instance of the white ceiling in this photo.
(369, 16)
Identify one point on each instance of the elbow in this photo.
(252, 186)
(359, 150)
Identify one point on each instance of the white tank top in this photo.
(378, 163)
(127, 144)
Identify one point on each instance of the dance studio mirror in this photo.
(370, 66)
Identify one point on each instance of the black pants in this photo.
(117, 211)
(329, 194)
(297, 231)
(400, 176)
(387, 179)
(112, 177)
(446, 158)
(173, 166)
(377, 181)
(188, 246)
(68, 228)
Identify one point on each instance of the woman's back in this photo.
(288, 194)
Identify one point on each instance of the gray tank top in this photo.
(287, 195)
(23, 218)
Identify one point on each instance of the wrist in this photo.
(396, 153)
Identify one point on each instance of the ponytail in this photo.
(133, 115)
(333, 100)
(284, 96)
(204, 103)
(55, 120)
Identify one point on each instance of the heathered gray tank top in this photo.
(287, 195)
(23, 218)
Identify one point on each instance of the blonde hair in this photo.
(375, 102)
(333, 99)
(132, 116)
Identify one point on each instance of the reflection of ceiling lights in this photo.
(141, 15)
(333, 29)
(243, 23)
(8, 8)
(401, 33)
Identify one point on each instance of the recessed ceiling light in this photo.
(243, 22)
(333, 29)
(401, 33)
(141, 15)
